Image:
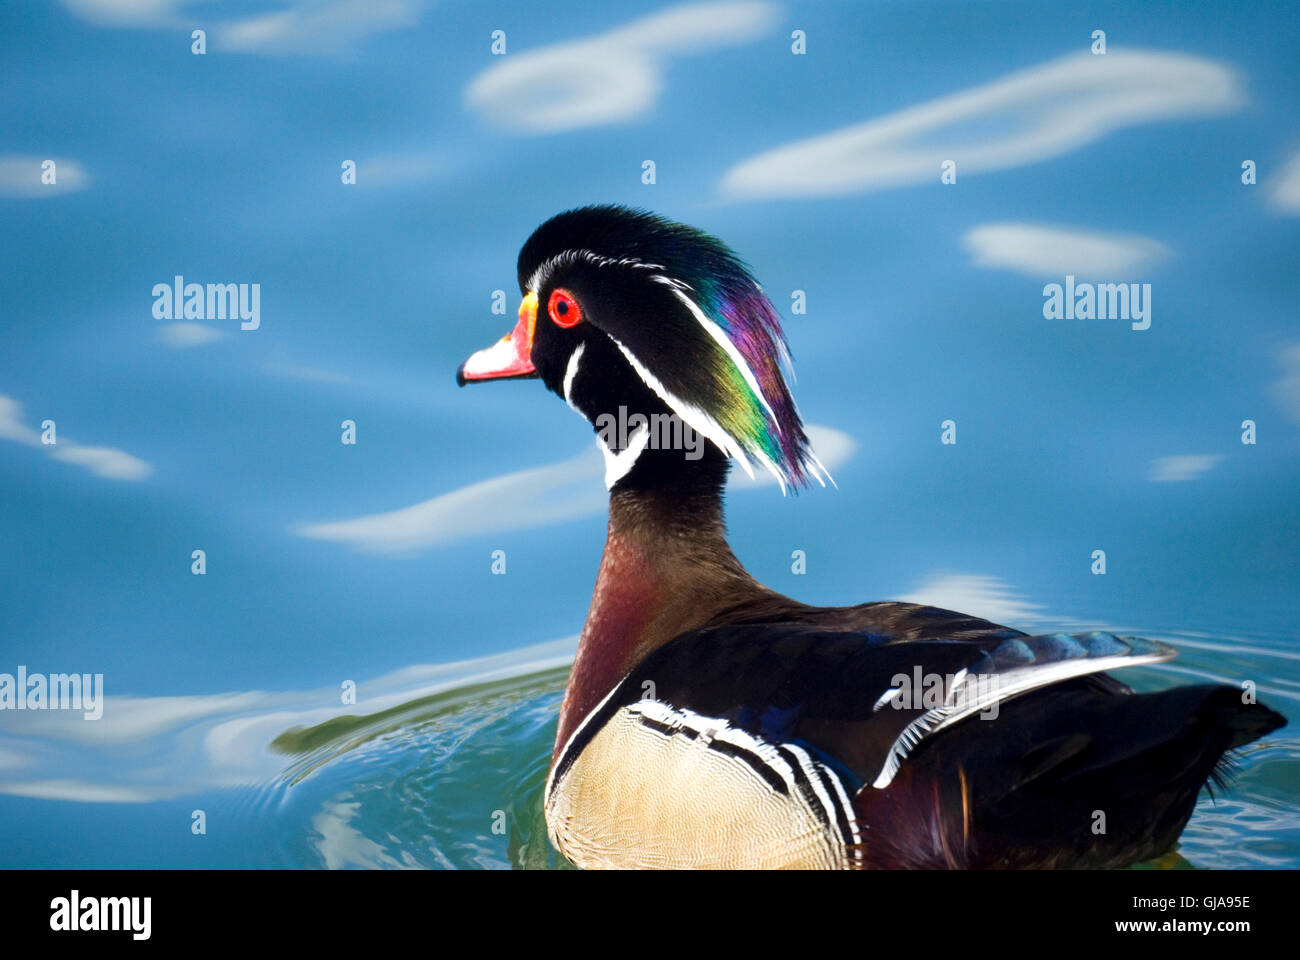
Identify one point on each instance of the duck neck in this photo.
(666, 569)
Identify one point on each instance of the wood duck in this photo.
(710, 722)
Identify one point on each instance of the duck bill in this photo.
(511, 357)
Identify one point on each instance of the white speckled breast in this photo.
(659, 787)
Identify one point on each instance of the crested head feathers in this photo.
(691, 321)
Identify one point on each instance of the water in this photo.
(419, 790)
(452, 777)
(429, 787)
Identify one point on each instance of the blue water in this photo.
(371, 564)
(450, 775)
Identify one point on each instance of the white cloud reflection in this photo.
(1053, 109)
(522, 500)
(1039, 250)
(195, 743)
(611, 77)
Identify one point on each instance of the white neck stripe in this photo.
(618, 464)
(691, 414)
(549, 266)
(570, 372)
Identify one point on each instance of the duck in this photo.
(710, 722)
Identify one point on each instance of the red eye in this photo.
(564, 310)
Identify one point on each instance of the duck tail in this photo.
(1242, 721)
(1074, 777)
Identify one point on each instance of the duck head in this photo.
(657, 334)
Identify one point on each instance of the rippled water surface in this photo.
(453, 780)
(421, 789)
(452, 777)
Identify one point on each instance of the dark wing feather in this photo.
(1067, 750)
(830, 690)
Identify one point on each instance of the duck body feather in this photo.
(813, 744)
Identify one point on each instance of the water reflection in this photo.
(443, 766)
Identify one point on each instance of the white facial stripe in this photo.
(723, 341)
(549, 266)
(811, 463)
(691, 414)
(618, 464)
(570, 372)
